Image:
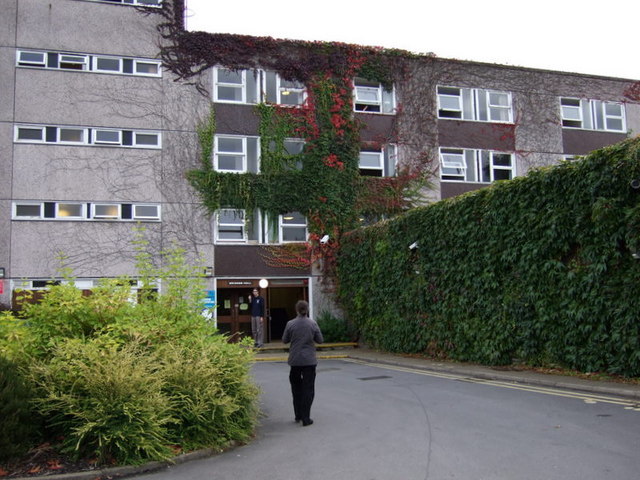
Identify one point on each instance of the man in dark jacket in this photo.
(303, 333)
(257, 318)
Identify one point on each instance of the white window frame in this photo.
(88, 140)
(18, 203)
(95, 68)
(83, 211)
(282, 226)
(17, 128)
(217, 153)
(387, 163)
(106, 217)
(361, 103)
(591, 112)
(88, 63)
(137, 216)
(74, 59)
(140, 3)
(138, 61)
(137, 144)
(96, 131)
(27, 63)
(371, 153)
(242, 86)
(299, 90)
(456, 158)
(478, 101)
(453, 159)
(242, 225)
(84, 134)
(498, 107)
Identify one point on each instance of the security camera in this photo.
(635, 184)
(413, 246)
(324, 239)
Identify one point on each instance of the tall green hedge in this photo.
(538, 269)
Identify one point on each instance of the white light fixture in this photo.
(413, 246)
(324, 239)
(264, 283)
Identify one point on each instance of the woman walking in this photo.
(303, 333)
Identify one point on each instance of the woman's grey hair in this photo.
(302, 308)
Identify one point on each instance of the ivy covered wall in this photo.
(539, 269)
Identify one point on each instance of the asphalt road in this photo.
(385, 423)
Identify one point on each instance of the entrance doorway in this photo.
(281, 304)
(234, 315)
(233, 311)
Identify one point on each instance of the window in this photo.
(146, 3)
(475, 166)
(372, 97)
(289, 152)
(290, 92)
(283, 92)
(147, 68)
(378, 163)
(293, 227)
(107, 64)
(235, 154)
(30, 210)
(592, 115)
(108, 137)
(146, 212)
(74, 62)
(235, 86)
(27, 210)
(474, 104)
(89, 63)
(146, 139)
(72, 135)
(230, 225)
(29, 134)
(87, 136)
(70, 210)
(102, 211)
(32, 59)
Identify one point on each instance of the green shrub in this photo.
(212, 397)
(127, 382)
(18, 423)
(104, 401)
(334, 329)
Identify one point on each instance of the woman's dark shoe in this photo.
(307, 422)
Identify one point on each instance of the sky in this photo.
(583, 36)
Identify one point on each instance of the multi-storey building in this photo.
(98, 129)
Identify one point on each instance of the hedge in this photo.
(539, 269)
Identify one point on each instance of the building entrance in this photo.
(281, 304)
(234, 314)
(233, 311)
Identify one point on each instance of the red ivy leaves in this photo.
(332, 161)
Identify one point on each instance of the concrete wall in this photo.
(52, 172)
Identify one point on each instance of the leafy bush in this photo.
(18, 423)
(212, 397)
(334, 329)
(539, 269)
(104, 401)
(128, 382)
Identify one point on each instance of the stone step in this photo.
(272, 347)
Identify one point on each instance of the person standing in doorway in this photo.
(257, 318)
(303, 333)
